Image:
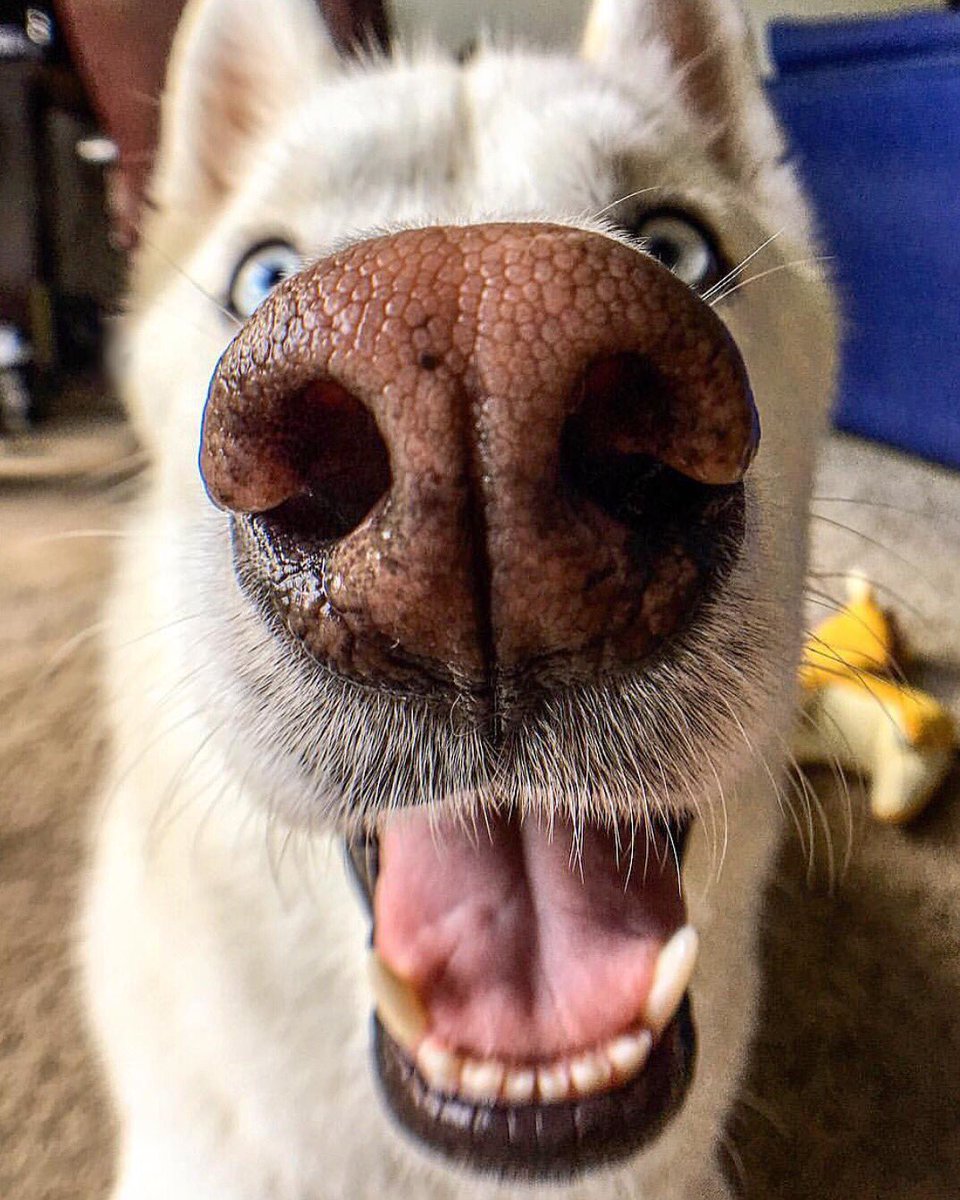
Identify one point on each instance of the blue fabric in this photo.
(800, 45)
(872, 108)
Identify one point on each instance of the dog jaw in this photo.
(245, 1068)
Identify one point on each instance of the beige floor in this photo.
(54, 1126)
(854, 1089)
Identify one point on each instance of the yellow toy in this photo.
(858, 715)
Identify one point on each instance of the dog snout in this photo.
(469, 452)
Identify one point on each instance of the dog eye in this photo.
(682, 246)
(258, 273)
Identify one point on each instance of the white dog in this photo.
(496, 592)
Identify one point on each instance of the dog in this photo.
(450, 694)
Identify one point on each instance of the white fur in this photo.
(224, 952)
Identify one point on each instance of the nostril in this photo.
(625, 406)
(314, 460)
(615, 446)
(342, 459)
(609, 444)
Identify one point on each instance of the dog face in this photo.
(498, 580)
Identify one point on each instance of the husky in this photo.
(450, 695)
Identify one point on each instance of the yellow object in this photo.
(858, 638)
(855, 713)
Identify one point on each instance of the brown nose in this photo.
(465, 453)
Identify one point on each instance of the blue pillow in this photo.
(872, 109)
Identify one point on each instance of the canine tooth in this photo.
(590, 1072)
(671, 977)
(628, 1054)
(398, 1005)
(553, 1082)
(481, 1080)
(439, 1067)
(519, 1085)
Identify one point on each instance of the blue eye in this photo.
(682, 246)
(259, 272)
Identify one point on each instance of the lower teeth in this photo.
(405, 1018)
(490, 1081)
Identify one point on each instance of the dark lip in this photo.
(542, 1142)
(363, 862)
(532, 1142)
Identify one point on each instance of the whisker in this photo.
(751, 1101)
(815, 804)
(175, 266)
(872, 541)
(623, 199)
(879, 664)
(72, 535)
(162, 820)
(732, 274)
(782, 801)
(797, 262)
(885, 588)
(839, 773)
(932, 517)
(120, 779)
(936, 515)
(729, 1147)
(67, 649)
(837, 665)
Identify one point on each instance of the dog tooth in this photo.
(481, 1080)
(439, 1067)
(628, 1054)
(519, 1085)
(590, 1072)
(671, 977)
(553, 1082)
(399, 1007)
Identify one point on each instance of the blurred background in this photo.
(558, 21)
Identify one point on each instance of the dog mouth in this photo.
(530, 985)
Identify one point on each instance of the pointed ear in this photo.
(237, 67)
(710, 46)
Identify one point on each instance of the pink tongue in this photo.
(517, 952)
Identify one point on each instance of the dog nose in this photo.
(464, 453)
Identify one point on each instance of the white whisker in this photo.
(799, 262)
(734, 273)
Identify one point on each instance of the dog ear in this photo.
(236, 67)
(709, 45)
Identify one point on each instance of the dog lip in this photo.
(537, 1142)
(362, 856)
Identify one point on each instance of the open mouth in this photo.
(530, 986)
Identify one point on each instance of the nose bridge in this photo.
(472, 348)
